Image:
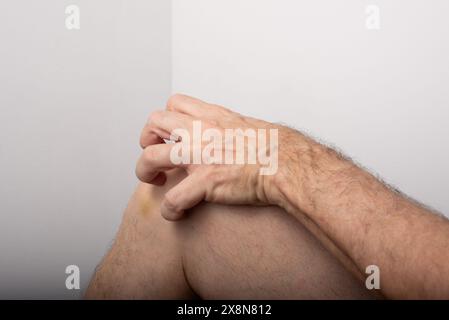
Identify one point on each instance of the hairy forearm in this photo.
(368, 221)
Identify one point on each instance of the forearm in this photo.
(369, 222)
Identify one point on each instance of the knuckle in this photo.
(170, 201)
(240, 119)
(138, 172)
(143, 138)
(215, 176)
(148, 155)
(223, 110)
(212, 123)
(142, 142)
(155, 116)
(175, 99)
(219, 178)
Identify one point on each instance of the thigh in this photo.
(260, 253)
(217, 252)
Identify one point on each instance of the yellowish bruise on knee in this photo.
(146, 200)
(149, 197)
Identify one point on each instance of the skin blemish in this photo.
(145, 205)
(145, 201)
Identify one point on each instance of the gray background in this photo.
(72, 104)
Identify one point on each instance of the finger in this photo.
(149, 137)
(195, 107)
(168, 121)
(154, 158)
(185, 104)
(185, 195)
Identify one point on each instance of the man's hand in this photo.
(234, 160)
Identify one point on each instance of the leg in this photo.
(218, 252)
(254, 253)
(145, 261)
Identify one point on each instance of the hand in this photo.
(229, 158)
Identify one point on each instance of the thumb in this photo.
(185, 195)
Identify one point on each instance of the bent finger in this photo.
(149, 137)
(154, 159)
(195, 107)
(168, 121)
(185, 195)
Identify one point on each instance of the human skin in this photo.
(217, 252)
(354, 214)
